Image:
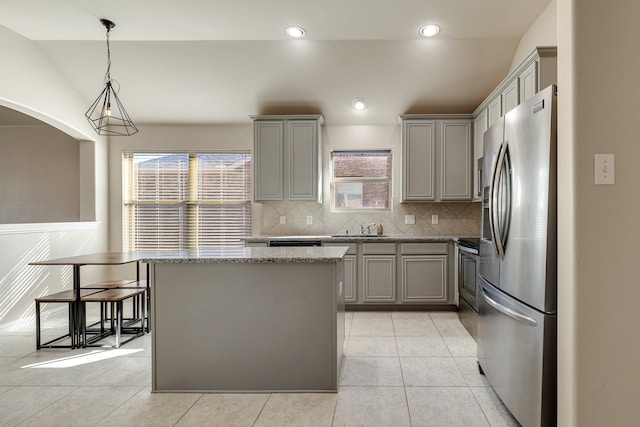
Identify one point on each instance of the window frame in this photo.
(333, 181)
(190, 223)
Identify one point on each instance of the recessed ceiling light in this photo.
(429, 30)
(359, 104)
(295, 32)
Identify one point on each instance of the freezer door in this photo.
(489, 261)
(528, 268)
(517, 352)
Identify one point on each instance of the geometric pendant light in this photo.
(107, 114)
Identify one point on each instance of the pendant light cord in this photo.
(107, 76)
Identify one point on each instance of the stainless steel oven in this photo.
(468, 280)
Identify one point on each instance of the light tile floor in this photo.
(401, 369)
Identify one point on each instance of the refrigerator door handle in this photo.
(505, 194)
(496, 197)
(506, 310)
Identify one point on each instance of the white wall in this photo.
(599, 349)
(31, 85)
(543, 32)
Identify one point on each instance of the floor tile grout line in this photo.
(188, 409)
(264, 405)
(73, 388)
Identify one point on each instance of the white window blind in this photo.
(186, 201)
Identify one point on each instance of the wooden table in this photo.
(105, 258)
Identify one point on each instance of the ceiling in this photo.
(218, 61)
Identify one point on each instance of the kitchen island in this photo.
(247, 319)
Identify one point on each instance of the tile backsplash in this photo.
(460, 218)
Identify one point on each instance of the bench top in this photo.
(66, 296)
(117, 294)
(109, 284)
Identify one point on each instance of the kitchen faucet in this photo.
(366, 227)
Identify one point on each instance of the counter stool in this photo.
(115, 297)
(67, 297)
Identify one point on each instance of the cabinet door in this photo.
(302, 148)
(479, 128)
(495, 110)
(350, 278)
(268, 151)
(528, 81)
(379, 278)
(424, 279)
(418, 161)
(510, 97)
(455, 177)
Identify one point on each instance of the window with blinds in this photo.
(185, 200)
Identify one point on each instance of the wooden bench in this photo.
(115, 297)
(67, 297)
(128, 284)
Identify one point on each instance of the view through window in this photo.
(361, 179)
(185, 200)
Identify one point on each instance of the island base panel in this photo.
(247, 327)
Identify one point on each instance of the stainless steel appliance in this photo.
(517, 304)
(468, 284)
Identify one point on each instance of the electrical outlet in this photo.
(283, 219)
(410, 219)
(434, 219)
(309, 220)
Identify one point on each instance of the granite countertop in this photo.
(396, 238)
(248, 255)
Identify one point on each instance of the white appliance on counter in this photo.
(517, 303)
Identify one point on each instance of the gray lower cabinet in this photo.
(425, 273)
(379, 278)
(350, 278)
(350, 271)
(423, 279)
(287, 158)
(378, 273)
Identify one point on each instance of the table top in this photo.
(104, 258)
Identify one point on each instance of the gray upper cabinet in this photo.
(528, 80)
(436, 157)
(287, 158)
(536, 72)
(494, 110)
(455, 160)
(268, 160)
(418, 160)
(480, 126)
(510, 97)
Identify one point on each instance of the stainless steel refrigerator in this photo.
(517, 304)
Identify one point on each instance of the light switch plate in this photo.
(434, 219)
(410, 219)
(283, 219)
(309, 219)
(605, 169)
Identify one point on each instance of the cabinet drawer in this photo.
(379, 248)
(423, 248)
(353, 247)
